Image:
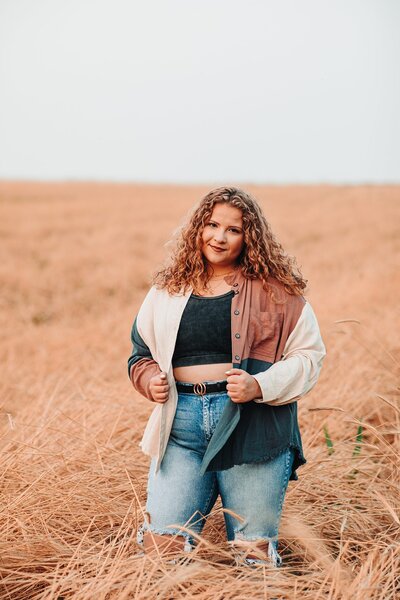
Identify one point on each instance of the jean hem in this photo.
(273, 558)
(189, 545)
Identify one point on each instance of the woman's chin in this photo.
(216, 259)
(220, 263)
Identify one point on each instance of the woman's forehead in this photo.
(226, 212)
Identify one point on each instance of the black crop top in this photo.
(204, 334)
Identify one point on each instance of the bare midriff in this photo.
(212, 372)
(198, 373)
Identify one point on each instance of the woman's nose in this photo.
(220, 236)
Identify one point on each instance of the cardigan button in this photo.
(236, 291)
(237, 312)
(237, 335)
(237, 357)
(235, 284)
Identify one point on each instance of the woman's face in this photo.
(223, 236)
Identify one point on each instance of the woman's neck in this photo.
(222, 272)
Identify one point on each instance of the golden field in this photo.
(76, 263)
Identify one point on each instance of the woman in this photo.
(224, 344)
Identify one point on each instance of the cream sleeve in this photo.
(297, 372)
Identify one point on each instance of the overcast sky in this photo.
(189, 91)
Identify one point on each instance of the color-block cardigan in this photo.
(278, 343)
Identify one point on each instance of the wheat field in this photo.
(76, 263)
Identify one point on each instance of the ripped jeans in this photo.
(178, 495)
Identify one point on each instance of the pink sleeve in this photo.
(296, 374)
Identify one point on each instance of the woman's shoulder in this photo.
(159, 295)
(163, 292)
(277, 292)
(153, 301)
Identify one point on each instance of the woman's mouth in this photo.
(216, 249)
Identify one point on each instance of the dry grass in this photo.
(75, 265)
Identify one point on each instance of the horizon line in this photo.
(199, 183)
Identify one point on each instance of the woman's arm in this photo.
(296, 374)
(141, 365)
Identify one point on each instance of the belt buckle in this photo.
(199, 388)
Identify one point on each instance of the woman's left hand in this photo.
(241, 386)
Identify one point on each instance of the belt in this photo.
(201, 389)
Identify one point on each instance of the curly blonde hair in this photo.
(262, 255)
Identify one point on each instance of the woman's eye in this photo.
(214, 225)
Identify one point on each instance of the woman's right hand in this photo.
(159, 387)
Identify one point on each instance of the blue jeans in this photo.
(178, 495)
